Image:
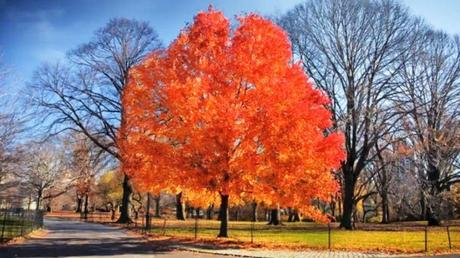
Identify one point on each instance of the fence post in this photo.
(196, 226)
(164, 227)
(329, 236)
(3, 227)
(143, 224)
(23, 218)
(448, 237)
(426, 239)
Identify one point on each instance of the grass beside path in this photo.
(14, 227)
(403, 237)
(400, 238)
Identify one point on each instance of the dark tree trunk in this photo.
(339, 216)
(29, 202)
(85, 211)
(348, 200)
(431, 203)
(157, 207)
(275, 217)
(79, 204)
(188, 211)
(254, 211)
(209, 211)
(124, 208)
(39, 199)
(112, 217)
(432, 220)
(223, 214)
(385, 209)
(422, 206)
(293, 216)
(431, 217)
(290, 215)
(147, 213)
(180, 209)
(333, 205)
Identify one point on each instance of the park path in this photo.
(70, 238)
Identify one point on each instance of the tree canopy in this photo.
(227, 112)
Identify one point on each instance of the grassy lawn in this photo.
(14, 227)
(402, 238)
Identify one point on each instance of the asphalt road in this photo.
(67, 238)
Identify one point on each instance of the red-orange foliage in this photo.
(227, 112)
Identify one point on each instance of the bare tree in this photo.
(85, 160)
(11, 125)
(45, 172)
(86, 97)
(430, 98)
(351, 49)
(389, 165)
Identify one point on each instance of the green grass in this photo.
(14, 227)
(310, 235)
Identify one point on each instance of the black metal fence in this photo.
(18, 222)
(398, 237)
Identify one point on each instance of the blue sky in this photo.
(32, 32)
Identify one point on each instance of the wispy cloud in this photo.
(14, 13)
(49, 55)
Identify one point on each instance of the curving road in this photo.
(67, 238)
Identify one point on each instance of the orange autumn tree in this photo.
(227, 112)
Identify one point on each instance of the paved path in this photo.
(68, 238)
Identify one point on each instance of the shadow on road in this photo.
(76, 239)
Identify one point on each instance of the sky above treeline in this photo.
(36, 31)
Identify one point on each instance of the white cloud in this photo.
(49, 55)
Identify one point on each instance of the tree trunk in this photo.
(385, 209)
(148, 224)
(237, 214)
(188, 212)
(180, 209)
(254, 211)
(348, 197)
(79, 204)
(293, 216)
(275, 217)
(333, 204)
(422, 206)
(157, 206)
(290, 215)
(85, 211)
(431, 217)
(29, 202)
(223, 214)
(209, 211)
(340, 210)
(113, 214)
(124, 208)
(39, 198)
